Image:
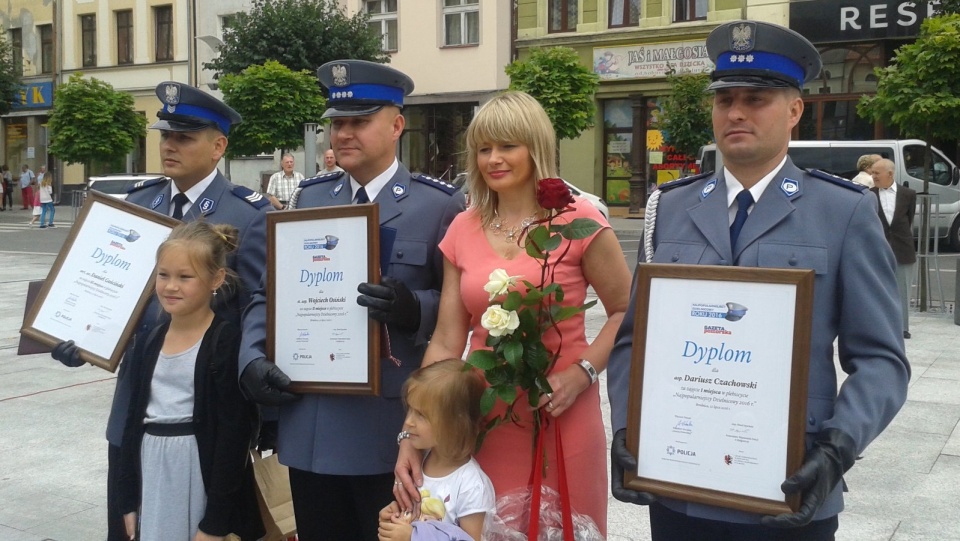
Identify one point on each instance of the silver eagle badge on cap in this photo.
(341, 77)
(171, 96)
(742, 37)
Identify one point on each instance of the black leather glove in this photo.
(391, 302)
(833, 454)
(67, 353)
(266, 384)
(621, 460)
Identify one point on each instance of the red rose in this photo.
(553, 194)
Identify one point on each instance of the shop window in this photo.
(461, 22)
(618, 144)
(46, 48)
(562, 15)
(434, 139)
(689, 10)
(383, 22)
(88, 40)
(624, 13)
(163, 20)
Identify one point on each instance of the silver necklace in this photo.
(510, 234)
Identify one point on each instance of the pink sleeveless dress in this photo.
(506, 456)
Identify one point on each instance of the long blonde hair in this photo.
(513, 117)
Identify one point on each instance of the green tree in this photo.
(562, 85)
(9, 80)
(300, 34)
(917, 91)
(275, 102)
(92, 123)
(686, 120)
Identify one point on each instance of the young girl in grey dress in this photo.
(184, 464)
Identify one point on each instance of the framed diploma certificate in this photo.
(718, 384)
(316, 332)
(101, 281)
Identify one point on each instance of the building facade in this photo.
(632, 44)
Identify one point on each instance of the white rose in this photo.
(500, 282)
(499, 321)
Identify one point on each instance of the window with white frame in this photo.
(461, 22)
(383, 22)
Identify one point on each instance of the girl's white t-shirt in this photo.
(465, 491)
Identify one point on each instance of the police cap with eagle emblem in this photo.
(358, 87)
(186, 108)
(762, 55)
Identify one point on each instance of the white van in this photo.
(840, 158)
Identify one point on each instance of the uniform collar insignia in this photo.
(336, 191)
(399, 190)
(789, 187)
(207, 205)
(156, 201)
(341, 75)
(708, 189)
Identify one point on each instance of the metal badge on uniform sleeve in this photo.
(207, 205)
(399, 190)
(156, 201)
(708, 188)
(790, 187)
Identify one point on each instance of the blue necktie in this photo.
(744, 200)
(179, 201)
(362, 196)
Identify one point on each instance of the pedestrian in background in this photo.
(45, 196)
(184, 467)
(7, 199)
(330, 162)
(35, 208)
(194, 128)
(897, 205)
(864, 178)
(339, 448)
(778, 216)
(27, 182)
(283, 182)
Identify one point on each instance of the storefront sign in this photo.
(651, 60)
(858, 20)
(34, 96)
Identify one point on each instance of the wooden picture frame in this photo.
(101, 281)
(719, 424)
(316, 332)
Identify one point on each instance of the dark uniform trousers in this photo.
(666, 523)
(351, 505)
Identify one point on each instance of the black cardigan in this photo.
(222, 422)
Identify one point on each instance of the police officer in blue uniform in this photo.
(341, 450)
(762, 211)
(194, 127)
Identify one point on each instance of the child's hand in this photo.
(389, 512)
(398, 529)
(202, 536)
(130, 524)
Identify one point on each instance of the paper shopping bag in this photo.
(273, 495)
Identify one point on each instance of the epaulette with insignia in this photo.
(684, 181)
(254, 198)
(834, 179)
(444, 187)
(326, 177)
(146, 183)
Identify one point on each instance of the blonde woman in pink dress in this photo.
(511, 145)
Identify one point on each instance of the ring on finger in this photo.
(398, 483)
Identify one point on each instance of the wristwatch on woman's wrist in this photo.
(589, 369)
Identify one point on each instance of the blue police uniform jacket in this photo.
(801, 221)
(221, 203)
(356, 435)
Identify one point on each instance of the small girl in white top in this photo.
(443, 419)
